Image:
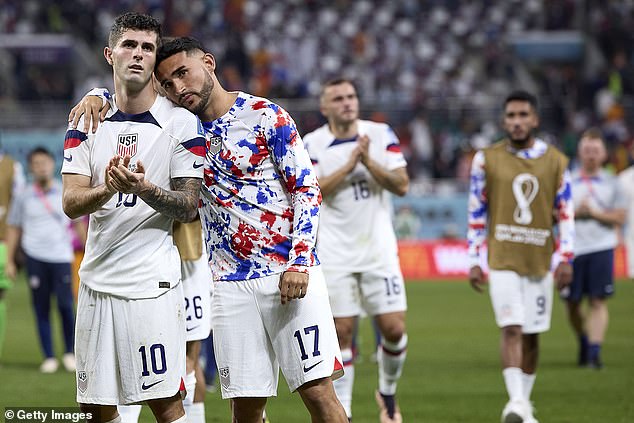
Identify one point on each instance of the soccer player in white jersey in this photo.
(138, 173)
(359, 165)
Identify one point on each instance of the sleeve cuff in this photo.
(100, 92)
(473, 261)
(297, 268)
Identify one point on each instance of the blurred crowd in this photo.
(435, 70)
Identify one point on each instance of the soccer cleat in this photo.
(69, 362)
(595, 364)
(389, 411)
(49, 365)
(530, 418)
(514, 412)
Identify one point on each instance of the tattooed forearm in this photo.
(180, 204)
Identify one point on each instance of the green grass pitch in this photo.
(452, 372)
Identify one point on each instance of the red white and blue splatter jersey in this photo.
(130, 251)
(563, 208)
(260, 193)
(355, 231)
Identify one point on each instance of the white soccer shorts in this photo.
(129, 350)
(521, 300)
(197, 285)
(375, 292)
(255, 335)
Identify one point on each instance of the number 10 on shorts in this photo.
(157, 359)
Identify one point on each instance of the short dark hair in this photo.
(593, 133)
(172, 46)
(39, 150)
(336, 81)
(135, 21)
(521, 95)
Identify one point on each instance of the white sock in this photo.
(513, 380)
(129, 413)
(181, 419)
(195, 412)
(391, 358)
(118, 418)
(343, 385)
(190, 386)
(528, 381)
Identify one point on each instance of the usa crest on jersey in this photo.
(127, 144)
(214, 144)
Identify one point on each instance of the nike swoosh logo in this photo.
(191, 329)
(309, 368)
(69, 158)
(197, 165)
(146, 387)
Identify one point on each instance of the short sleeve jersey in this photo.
(602, 192)
(45, 228)
(130, 251)
(356, 231)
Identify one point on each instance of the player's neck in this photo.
(522, 145)
(44, 184)
(591, 170)
(133, 101)
(220, 103)
(344, 130)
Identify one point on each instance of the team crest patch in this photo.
(224, 377)
(214, 145)
(82, 381)
(127, 144)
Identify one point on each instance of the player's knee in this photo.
(394, 331)
(512, 333)
(597, 302)
(345, 331)
(247, 409)
(167, 410)
(99, 413)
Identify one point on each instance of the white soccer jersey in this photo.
(355, 229)
(130, 251)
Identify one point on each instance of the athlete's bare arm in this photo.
(180, 204)
(328, 184)
(94, 110)
(79, 198)
(396, 181)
